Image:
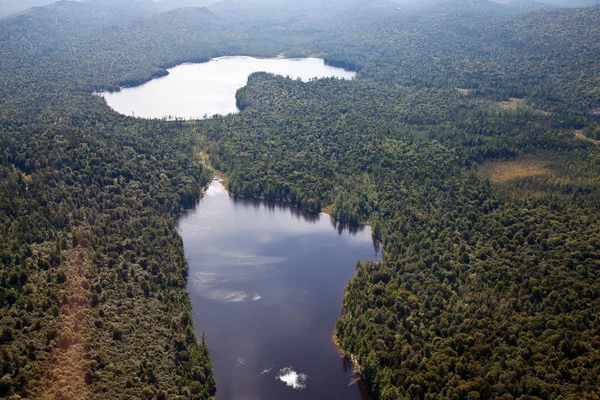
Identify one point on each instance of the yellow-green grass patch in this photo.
(504, 171)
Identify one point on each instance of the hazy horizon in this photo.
(9, 7)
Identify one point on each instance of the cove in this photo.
(195, 91)
(266, 283)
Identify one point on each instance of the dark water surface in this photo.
(266, 283)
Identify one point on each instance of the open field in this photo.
(504, 171)
(516, 104)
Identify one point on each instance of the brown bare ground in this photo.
(66, 377)
(504, 171)
(579, 135)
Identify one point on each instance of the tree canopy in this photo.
(466, 142)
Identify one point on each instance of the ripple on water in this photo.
(267, 370)
(206, 284)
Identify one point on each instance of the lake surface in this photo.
(266, 284)
(195, 91)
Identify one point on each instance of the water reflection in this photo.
(342, 227)
(313, 218)
(274, 207)
(195, 91)
(266, 283)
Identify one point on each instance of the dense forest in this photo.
(467, 142)
(476, 280)
(93, 271)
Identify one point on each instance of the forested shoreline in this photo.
(99, 302)
(473, 276)
(489, 286)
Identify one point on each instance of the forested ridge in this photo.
(489, 285)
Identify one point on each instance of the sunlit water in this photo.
(194, 91)
(266, 283)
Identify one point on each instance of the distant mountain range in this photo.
(12, 6)
(8, 7)
(515, 3)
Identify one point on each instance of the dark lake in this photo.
(266, 283)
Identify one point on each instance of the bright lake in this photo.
(194, 91)
(266, 283)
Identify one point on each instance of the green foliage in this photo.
(110, 187)
(484, 291)
(475, 281)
